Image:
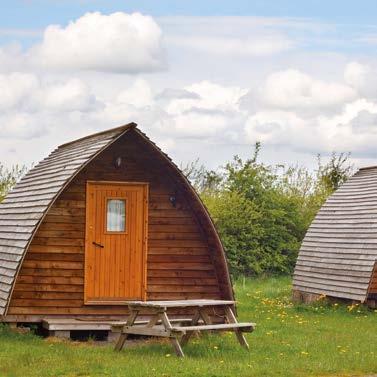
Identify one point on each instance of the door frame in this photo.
(145, 186)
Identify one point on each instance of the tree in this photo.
(202, 179)
(331, 175)
(9, 177)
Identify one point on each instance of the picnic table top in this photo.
(178, 303)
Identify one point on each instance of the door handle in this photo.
(98, 244)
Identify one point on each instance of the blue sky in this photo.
(205, 79)
(38, 13)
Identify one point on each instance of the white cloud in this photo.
(118, 42)
(355, 74)
(27, 92)
(12, 58)
(200, 110)
(138, 95)
(340, 132)
(294, 90)
(21, 126)
(363, 78)
(16, 88)
(365, 122)
(275, 127)
(174, 93)
(204, 109)
(354, 128)
(257, 45)
(210, 96)
(32, 106)
(224, 90)
(200, 124)
(72, 95)
(232, 36)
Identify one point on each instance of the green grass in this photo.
(316, 340)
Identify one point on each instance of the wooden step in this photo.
(70, 324)
(74, 324)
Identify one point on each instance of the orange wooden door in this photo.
(115, 242)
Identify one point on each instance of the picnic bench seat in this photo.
(118, 326)
(160, 330)
(246, 327)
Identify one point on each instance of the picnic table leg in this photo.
(155, 318)
(177, 347)
(130, 321)
(185, 338)
(174, 340)
(205, 316)
(232, 319)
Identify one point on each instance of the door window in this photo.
(116, 215)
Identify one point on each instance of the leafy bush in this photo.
(262, 212)
(9, 177)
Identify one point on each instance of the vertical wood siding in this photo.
(180, 260)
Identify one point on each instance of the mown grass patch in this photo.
(290, 340)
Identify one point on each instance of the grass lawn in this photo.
(290, 340)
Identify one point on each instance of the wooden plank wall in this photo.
(339, 250)
(179, 260)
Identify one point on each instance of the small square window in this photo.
(116, 215)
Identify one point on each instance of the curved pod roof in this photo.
(24, 208)
(338, 253)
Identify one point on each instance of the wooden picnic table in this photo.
(161, 325)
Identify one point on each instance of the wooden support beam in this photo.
(232, 319)
(186, 337)
(123, 337)
(174, 340)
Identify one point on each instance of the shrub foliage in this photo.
(262, 211)
(9, 177)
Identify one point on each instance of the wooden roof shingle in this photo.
(339, 250)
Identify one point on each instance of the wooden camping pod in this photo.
(338, 255)
(59, 254)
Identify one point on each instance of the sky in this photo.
(204, 79)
